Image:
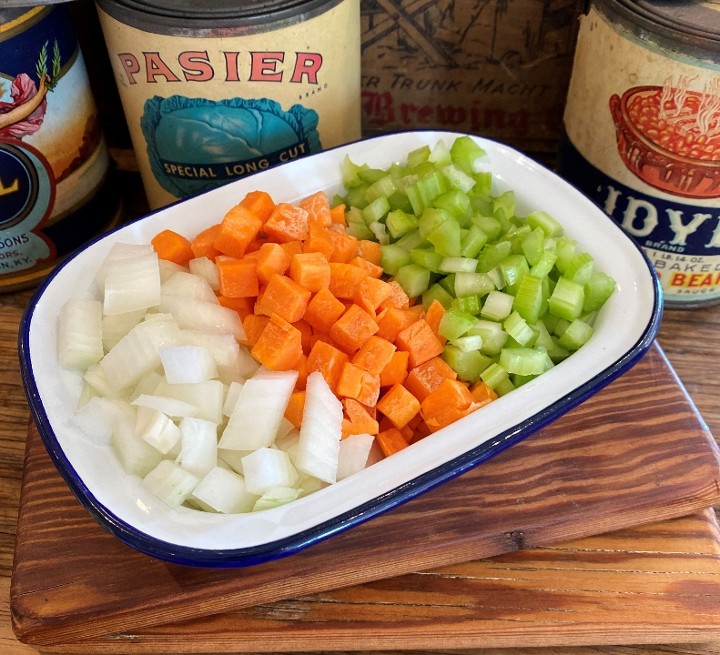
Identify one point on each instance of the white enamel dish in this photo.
(625, 330)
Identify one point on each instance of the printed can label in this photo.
(204, 111)
(643, 142)
(53, 156)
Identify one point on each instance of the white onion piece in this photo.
(120, 251)
(116, 326)
(96, 379)
(188, 364)
(198, 453)
(131, 283)
(259, 410)
(80, 334)
(98, 415)
(196, 314)
(233, 360)
(170, 483)
(187, 285)
(275, 497)
(170, 406)
(207, 397)
(207, 269)
(266, 468)
(223, 491)
(353, 455)
(157, 428)
(136, 456)
(320, 431)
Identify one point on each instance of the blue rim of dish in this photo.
(273, 550)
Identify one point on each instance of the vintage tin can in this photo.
(642, 121)
(213, 92)
(56, 186)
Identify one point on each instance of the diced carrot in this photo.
(344, 246)
(392, 320)
(359, 419)
(271, 259)
(306, 331)
(396, 369)
(353, 329)
(359, 384)
(295, 407)
(279, 346)
(327, 359)
(399, 405)
(301, 368)
(482, 393)
(433, 315)
(323, 310)
(344, 279)
(284, 297)
(238, 228)
(292, 248)
(398, 298)
(310, 270)
(318, 208)
(255, 245)
(420, 341)
(425, 378)
(370, 293)
(374, 270)
(243, 306)
(406, 430)
(374, 355)
(238, 277)
(369, 250)
(337, 214)
(318, 240)
(253, 325)
(391, 441)
(446, 404)
(287, 223)
(173, 247)
(203, 243)
(259, 203)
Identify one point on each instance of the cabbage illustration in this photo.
(196, 144)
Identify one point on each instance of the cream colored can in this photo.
(643, 134)
(213, 93)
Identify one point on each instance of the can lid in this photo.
(694, 18)
(189, 16)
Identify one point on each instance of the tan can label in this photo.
(205, 111)
(643, 126)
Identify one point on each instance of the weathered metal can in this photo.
(213, 92)
(642, 124)
(56, 185)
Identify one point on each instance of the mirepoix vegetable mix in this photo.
(291, 345)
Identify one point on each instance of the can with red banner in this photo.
(642, 124)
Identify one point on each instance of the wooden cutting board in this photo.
(635, 453)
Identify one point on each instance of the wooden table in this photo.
(689, 339)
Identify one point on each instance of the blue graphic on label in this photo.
(195, 144)
(681, 239)
(26, 198)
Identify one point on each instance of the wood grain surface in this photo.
(690, 340)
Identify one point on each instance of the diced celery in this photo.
(503, 206)
(430, 219)
(393, 257)
(576, 335)
(468, 343)
(488, 224)
(523, 361)
(380, 232)
(469, 304)
(472, 241)
(446, 238)
(349, 172)
(580, 268)
(411, 240)
(493, 335)
(567, 298)
(418, 156)
(517, 328)
(469, 366)
(544, 265)
(436, 292)
(565, 249)
(356, 226)
(455, 202)
(498, 306)
(470, 283)
(454, 323)
(483, 186)
(492, 255)
(513, 269)
(545, 222)
(458, 265)
(413, 278)
(529, 298)
(532, 246)
(400, 223)
(458, 179)
(496, 377)
(598, 290)
(376, 210)
(356, 197)
(427, 258)
(370, 175)
(465, 152)
(440, 154)
(385, 186)
(448, 283)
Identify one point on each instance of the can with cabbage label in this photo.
(56, 183)
(642, 124)
(213, 92)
